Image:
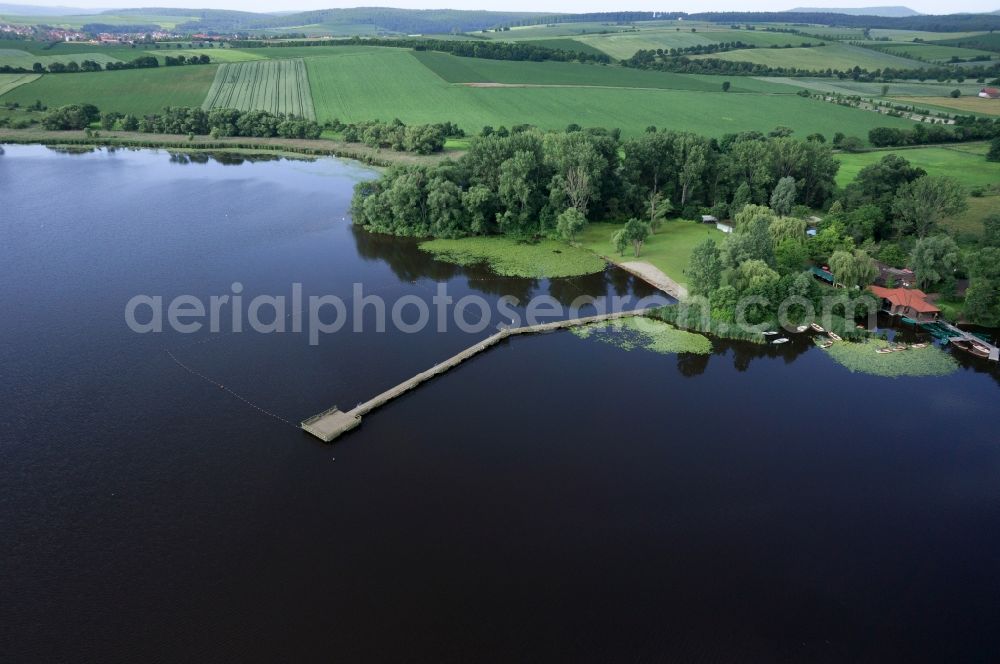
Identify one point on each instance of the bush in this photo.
(75, 116)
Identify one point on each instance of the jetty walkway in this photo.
(331, 423)
(965, 336)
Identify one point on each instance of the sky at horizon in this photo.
(924, 6)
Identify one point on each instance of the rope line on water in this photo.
(223, 387)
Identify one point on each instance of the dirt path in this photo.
(655, 276)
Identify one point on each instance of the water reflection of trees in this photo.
(409, 263)
(744, 352)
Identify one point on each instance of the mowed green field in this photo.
(139, 91)
(817, 58)
(390, 83)
(454, 69)
(10, 81)
(278, 86)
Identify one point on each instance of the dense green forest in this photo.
(527, 184)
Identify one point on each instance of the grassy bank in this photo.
(513, 258)
(669, 249)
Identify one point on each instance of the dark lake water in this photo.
(556, 499)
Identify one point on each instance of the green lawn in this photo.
(669, 249)
(967, 163)
(136, 91)
(832, 56)
(392, 83)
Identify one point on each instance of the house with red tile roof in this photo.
(909, 302)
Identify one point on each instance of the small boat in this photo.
(971, 347)
(919, 346)
(816, 327)
(826, 344)
(882, 351)
(802, 328)
(769, 333)
(860, 327)
(834, 336)
(782, 340)
(896, 349)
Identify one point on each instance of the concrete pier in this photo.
(333, 422)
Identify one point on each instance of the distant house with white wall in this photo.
(990, 93)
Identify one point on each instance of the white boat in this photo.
(782, 340)
(802, 328)
(769, 333)
(834, 336)
(816, 327)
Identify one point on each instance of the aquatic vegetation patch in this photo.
(646, 333)
(862, 358)
(512, 258)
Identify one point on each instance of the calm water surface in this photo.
(555, 499)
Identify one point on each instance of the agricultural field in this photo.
(834, 32)
(901, 88)
(565, 44)
(968, 104)
(392, 83)
(454, 69)
(167, 22)
(910, 35)
(330, 30)
(554, 30)
(10, 81)
(985, 41)
(832, 56)
(278, 86)
(935, 52)
(219, 55)
(287, 52)
(16, 58)
(138, 91)
(624, 45)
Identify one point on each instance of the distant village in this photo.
(52, 34)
